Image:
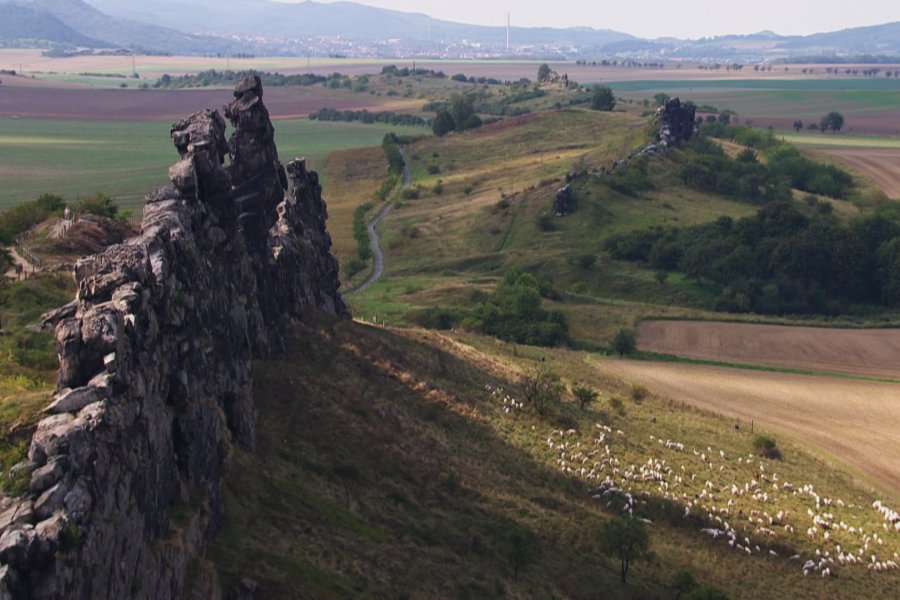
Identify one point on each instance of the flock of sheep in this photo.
(750, 516)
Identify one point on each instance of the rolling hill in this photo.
(77, 23)
(19, 22)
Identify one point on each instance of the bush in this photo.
(638, 392)
(546, 223)
(543, 390)
(433, 169)
(585, 395)
(624, 341)
(98, 204)
(766, 447)
(584, 261)
(616, 404)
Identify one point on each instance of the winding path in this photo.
(378, 271)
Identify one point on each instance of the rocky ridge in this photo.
(154, 383)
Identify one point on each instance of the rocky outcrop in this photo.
(562, 204)
(154, 383)
(676, 122)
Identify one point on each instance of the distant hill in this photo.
(24, 23)
(346, 19)
(87, 26)
(877, 39)
(19, 22)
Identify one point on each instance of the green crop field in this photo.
(759, 84)
(127, 159)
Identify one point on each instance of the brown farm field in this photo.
(863, 352)
(880, 165)
(853, 422)
(152, 105)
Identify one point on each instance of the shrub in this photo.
(584, 261)
(624, 341)
(766, 447)
(546, 223)
(638, 392)
(543, 390)
(616, 404)
(433, 169)
(98, 204)
(585, 395)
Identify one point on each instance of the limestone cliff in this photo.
(154, 383)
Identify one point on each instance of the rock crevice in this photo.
(154, 383)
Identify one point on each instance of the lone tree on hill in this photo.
(833, 121)
(603, 99)
(625, 538)
(543, 74)
(798, 125)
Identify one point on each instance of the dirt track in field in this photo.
(869, 352)
(881, 165)
(855, 422)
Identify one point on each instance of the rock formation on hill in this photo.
(676, 122)
(154, 383)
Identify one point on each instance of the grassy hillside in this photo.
(388, 468)
(481, 203)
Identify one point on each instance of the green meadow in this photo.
(127, 159)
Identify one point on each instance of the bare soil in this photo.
(869, 352)
(148, 105)
(854, 422)
(880, 165)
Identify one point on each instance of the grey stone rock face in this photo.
(676, 122)
(154, 384)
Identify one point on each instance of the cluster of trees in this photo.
(355, 264)
(514, 312)
(214, 77)
(705, 165)
(407, 72)
(364, 116)
(833, 121)
(456, 115)
(460, 77)
(391, 146)
(779, 261)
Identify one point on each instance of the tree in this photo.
(543, 74)
(544, 390)
(798, 125)
(833, 121)
(462, 107)
(603, 99)
(443, 123)
(625, 341)
(625, 538)
(584, 394)
(520, 550)
(660, 98)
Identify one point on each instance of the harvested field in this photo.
(867, 352)
(880, 165)
(155, 105)
(851, 421)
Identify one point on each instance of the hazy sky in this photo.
(656, 18)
